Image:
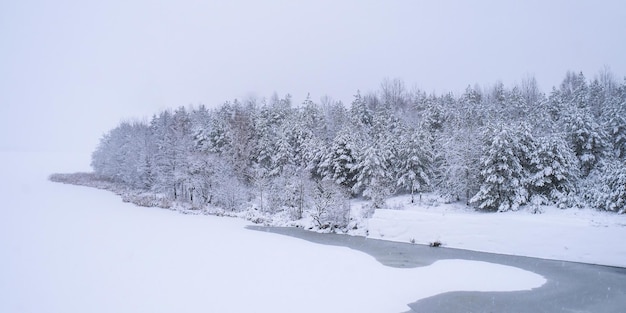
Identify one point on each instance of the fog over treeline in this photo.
(496, 149)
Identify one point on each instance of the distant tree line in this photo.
(495, 148)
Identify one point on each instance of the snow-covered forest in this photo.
(496, 149)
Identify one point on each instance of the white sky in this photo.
(71, 70)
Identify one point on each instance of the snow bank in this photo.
(573, 235)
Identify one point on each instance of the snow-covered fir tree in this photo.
(587, 138)
(553, 171)
(502, 175)
(340, 161)
(415, 162)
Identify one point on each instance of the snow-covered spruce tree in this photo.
(575, 90)
(459, 147)
(605, 188)
(375, 169)
(138, 167)
(502, 175)
(432, 118)
(281, 163)
(598, 98)
(617, 131)
(414, 162)
(213, 136)
(339, 162)
(163, 154)
(311, 116)
(496, 104)
(302, 128)
(265, 133)
(516, 106)
(201, 127)
(241, 136)
(573, 106)
(553, 172)
(587, 138)
(336, 117)
(314, 151)
(283, 155)
(360, 113)
(373, 177)
(614, 117)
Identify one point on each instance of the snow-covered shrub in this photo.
(230, 194)
(606, 188)
(147, 199)
(256, 217)
(329, 206)
(277, 195)
(289, 192)
(537, 202)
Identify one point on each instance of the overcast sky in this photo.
(72, 70)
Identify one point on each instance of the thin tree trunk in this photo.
(412, 191)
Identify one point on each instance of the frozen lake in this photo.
(570, 287)
(76, 249)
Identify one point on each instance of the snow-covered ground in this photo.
(77, 249)
(73, 249)
(573, 235)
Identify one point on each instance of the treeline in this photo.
(496, 149)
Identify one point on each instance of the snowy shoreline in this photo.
(575, 235)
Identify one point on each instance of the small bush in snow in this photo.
(330, 206)
(435, 244)
(536, 203)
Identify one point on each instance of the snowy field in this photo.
(76, 249)
(586, 236)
